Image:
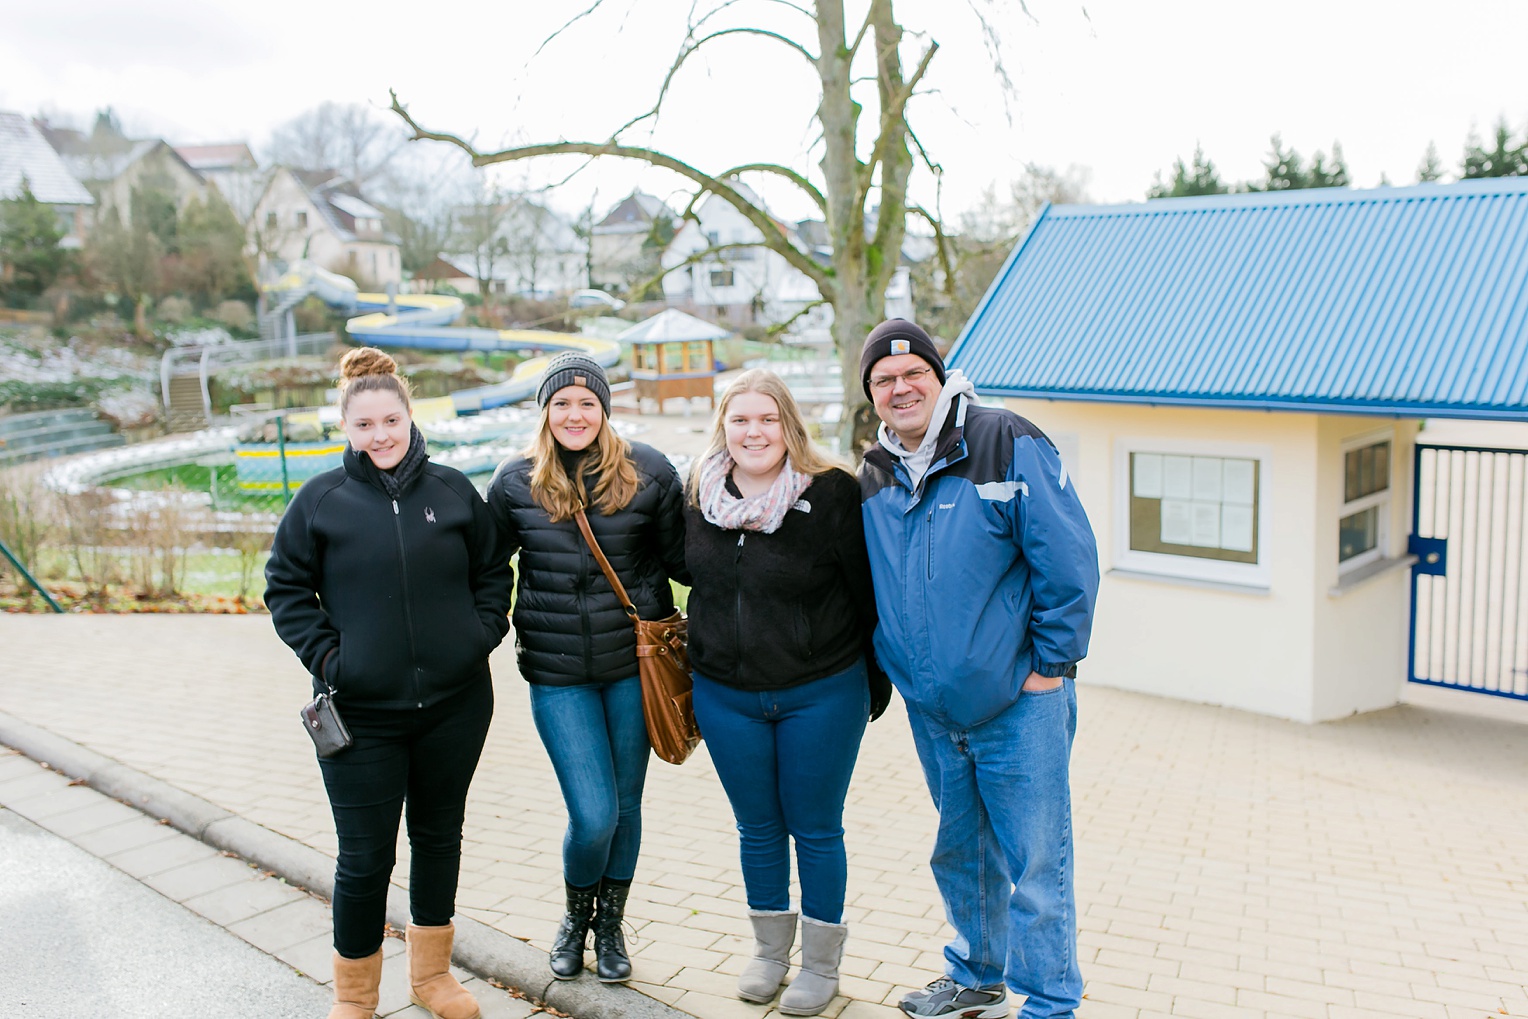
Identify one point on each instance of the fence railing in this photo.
(205, 359)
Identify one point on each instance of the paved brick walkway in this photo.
(1229, 866)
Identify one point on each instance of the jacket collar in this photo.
(951, 447)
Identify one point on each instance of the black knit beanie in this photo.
(898, 336)
(571, 368)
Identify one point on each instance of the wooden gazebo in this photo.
(672, 355)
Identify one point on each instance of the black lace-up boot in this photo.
(612, 964)
(567, 957)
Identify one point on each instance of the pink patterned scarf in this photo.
(764, 512)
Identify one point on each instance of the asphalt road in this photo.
(80, 938)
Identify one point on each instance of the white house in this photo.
(26, 157)
(1237, 386)
(626, 244)
(320, 216)
(231, 168)
(531, 250)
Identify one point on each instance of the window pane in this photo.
(1190, 515)
(1382, 466)
(1350, 472)
(1358, 533)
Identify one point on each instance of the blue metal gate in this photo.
(1469, 588)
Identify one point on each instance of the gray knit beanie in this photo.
(572, 368)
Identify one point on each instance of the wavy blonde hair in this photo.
(562, 496)
(806, 456)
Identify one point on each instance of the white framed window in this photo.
(721, 277)
(1194, 510)
(1363, 527)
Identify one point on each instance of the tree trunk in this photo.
(141, 318)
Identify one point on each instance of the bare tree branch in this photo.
(773, 237)
(859, 36)
(581, 15)
(783, 171)
(890, 114)
(780, 327)
(941, 244)
(698, 258)
(689, 49)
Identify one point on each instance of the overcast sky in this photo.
(1119, 87)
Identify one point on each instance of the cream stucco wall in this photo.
(1282, 645)
(1361, 628)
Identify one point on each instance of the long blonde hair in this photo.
(562, 496)
(806, 456)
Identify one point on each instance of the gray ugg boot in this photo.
(822, 949)
(774, 932)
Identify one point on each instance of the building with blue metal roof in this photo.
(1238, 384)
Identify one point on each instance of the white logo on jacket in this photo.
(429, 514)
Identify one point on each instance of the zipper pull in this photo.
(395, 507)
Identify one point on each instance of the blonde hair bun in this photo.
(366, 361)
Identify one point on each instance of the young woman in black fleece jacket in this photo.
(387, 579)
(781, 617)
(575, 643)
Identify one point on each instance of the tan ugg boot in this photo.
(355, 986)
(431, 985)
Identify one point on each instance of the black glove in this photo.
(880, 689)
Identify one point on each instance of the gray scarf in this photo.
(917, 461)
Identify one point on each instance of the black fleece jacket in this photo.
(411, 595)
(769, 611)
(569, 626)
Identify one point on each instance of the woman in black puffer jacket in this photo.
(575, 643)
(387, 579)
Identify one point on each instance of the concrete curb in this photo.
(479, 949)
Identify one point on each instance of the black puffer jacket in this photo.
(412, 595)
(769, 611)
(569, 625)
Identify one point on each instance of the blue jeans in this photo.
(1003, 855)
(785, 758)
(596, 736)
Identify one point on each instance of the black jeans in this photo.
(423, 759)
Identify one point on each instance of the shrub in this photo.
(174, 310)
(235, 315)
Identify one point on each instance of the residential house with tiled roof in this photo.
(321, 217)
(626, 243)
(231, 168)
(26, 159)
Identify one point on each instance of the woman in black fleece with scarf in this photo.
(781, 617)
(386, 578)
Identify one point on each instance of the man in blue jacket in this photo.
(985, 571)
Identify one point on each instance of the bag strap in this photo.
(599, 555)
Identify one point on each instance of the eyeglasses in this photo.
(912, 377)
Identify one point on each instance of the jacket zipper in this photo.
(931, 544)
(408, 612)
(737, 615)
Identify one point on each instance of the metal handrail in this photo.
(216, 355)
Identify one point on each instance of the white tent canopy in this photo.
(672, 324)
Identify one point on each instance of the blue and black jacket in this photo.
(985, 571)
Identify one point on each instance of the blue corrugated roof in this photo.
(1392, 301)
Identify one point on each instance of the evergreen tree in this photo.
(1503, 159)
(30, 258)
(1430, 171)
(1201, 178)
(1323, 175)
(1285, 170)
(210, 262)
